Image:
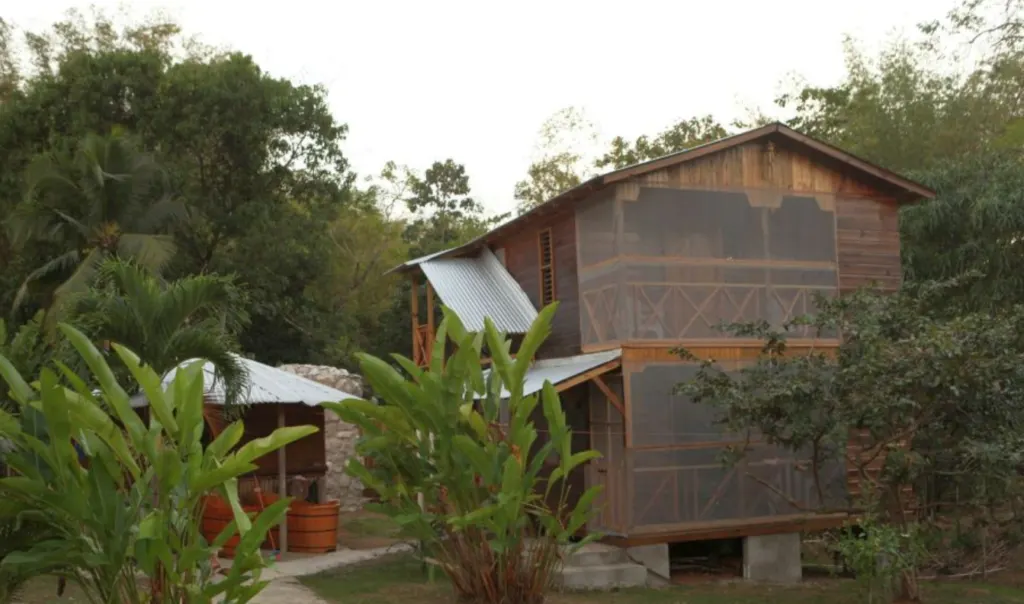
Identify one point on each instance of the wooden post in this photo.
(430, 322)
(415, 302)
(282, 479)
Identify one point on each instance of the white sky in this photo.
(418, 81)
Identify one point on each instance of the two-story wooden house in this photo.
(651, 257)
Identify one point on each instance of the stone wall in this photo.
(339, 437)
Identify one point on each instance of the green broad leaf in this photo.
(151, 387)
(226, 440)
(539, 331)
(88, 415)
(229, 489)
(478, 516)
(410, 367)
(475, 420)
(115, 394)
(583, 510)
(231, 469)
(512, 477)
(553, 409)
(480, 462)
(438, 352)
(21, 392)
(280, 437)
(580, 458)
(189, 415)
(501, 360)
(270, 517)
(554, 478)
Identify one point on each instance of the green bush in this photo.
(456, 477)
(135, 508)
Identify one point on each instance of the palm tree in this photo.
(166, 323)
(102, 199)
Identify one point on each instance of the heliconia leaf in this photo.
(580, 458)
(151, 386)
(226, 440)
(21, 392)
(115, 394)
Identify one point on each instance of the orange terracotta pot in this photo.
(261, 498)
(313, 527)
(217, 516)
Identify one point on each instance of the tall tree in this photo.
(445, 214)
(102, 199)
(681, 135)
(255, 159)
(974, 226)
(365, 242)
(901, 111)
(167, 323)
(563, 149)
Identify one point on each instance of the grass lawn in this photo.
(366, 530)
(399, 578)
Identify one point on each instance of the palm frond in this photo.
(165, 212)
(205, 341)
(60, 265)
(151, 251)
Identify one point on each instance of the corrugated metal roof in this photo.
(266, 385)
(421, 259)
(559, 370)
(480, 287)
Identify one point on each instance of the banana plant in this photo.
(469, 485)
(136, 506)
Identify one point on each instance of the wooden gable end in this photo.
(867, 214)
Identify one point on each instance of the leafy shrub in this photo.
(135, 507)
(467, 485)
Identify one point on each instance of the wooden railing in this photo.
(680, 311)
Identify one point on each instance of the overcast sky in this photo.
(418, 81)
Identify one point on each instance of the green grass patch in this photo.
(400, 578)
(371, 526)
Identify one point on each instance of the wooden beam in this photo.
(588, 375)
(415, 304)
(728, 529)
(282, 478)
(430, 322)
(612, 397)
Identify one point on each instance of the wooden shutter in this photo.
(546, 254)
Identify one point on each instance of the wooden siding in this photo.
(867, 217)
(868, 241)
(767, 164)
(523, 263)
(305, 456)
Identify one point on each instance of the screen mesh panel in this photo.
(678, 471)
(677, 263)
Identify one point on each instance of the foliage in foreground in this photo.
(931, 401)
(135, 507)
(470, 488)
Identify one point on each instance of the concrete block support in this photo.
(654, 557)
(772, 558)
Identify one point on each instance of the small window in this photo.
(547, 268)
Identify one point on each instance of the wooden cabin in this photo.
(652, 257)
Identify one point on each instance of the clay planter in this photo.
(313, 527)
(217, 516)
